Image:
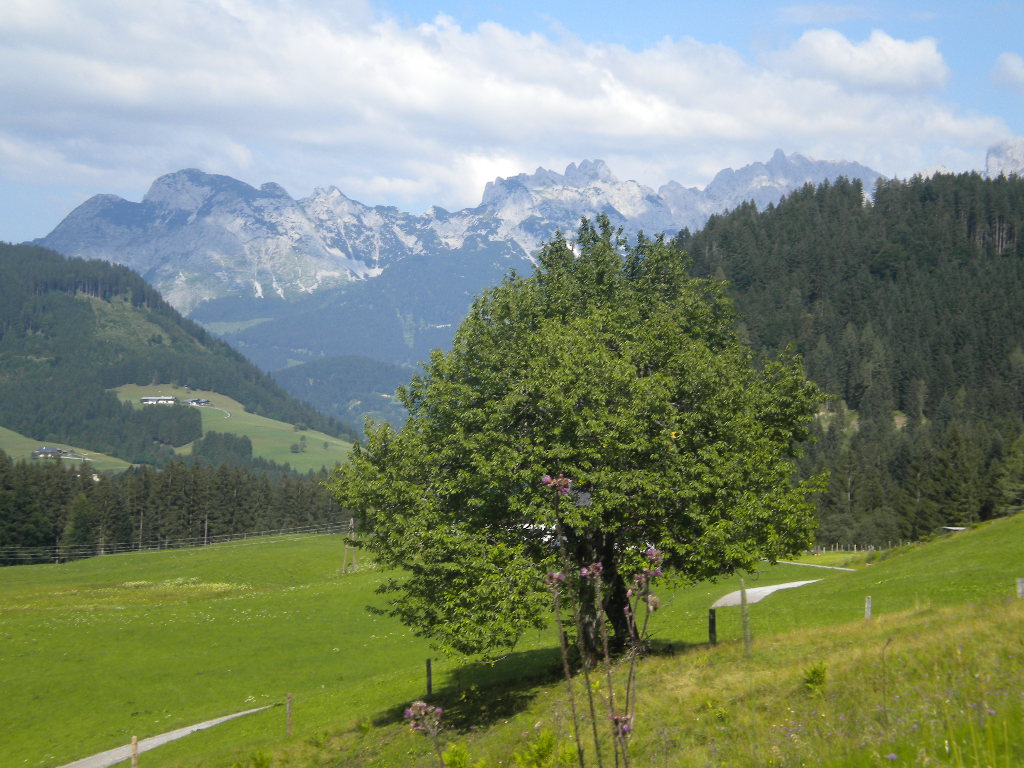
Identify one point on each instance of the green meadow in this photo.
(271, 439)
(96, 651)
(18, 447)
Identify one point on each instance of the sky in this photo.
(415, 104)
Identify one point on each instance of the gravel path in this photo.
(120, 754)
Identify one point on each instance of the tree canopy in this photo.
(612, 367)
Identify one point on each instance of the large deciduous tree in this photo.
(609, 365)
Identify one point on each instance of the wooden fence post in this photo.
(867, 607)
(430, 679)
(712, 627)
(135, 752)
(288, 711)
(1020, 588)
(746, 617)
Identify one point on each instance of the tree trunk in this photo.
(587, 550)
(615, 604)
(591, 647)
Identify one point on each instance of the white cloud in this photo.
(412, 116)
(1009, 70)
(880, 62)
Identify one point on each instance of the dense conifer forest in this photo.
(907, 305)
(71, 329)
(57, 510)
(349, 387)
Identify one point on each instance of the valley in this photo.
(511, 385)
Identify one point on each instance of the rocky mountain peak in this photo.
(191, 189)
(588, 173)
(200, 237)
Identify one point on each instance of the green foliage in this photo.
(52, 510)
(814, 678)
(257, 759)
(82, 528)
(906, 308)
(608, 365)
(545, 750)
(223, 448)
(457, 756)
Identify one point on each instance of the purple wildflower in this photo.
(560, 483)
(424, 718)
(892, 756)
(623, 725)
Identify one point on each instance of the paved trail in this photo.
(120, 754)
(756, 594)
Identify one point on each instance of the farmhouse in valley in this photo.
(159, 400)
(46, 452)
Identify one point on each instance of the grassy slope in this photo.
(271, 439)
(98, 650)
(90, 657)
(20, 447)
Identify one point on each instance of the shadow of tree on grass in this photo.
(477, 695)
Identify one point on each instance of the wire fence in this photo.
(60, 553)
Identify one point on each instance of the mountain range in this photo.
(223, 251)
(330, 280)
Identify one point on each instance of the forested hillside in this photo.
(71, 329)
(349, 387)
(56, 511)
(908, 306)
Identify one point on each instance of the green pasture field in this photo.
(271, 439)
(96, 651)
(18, 446)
